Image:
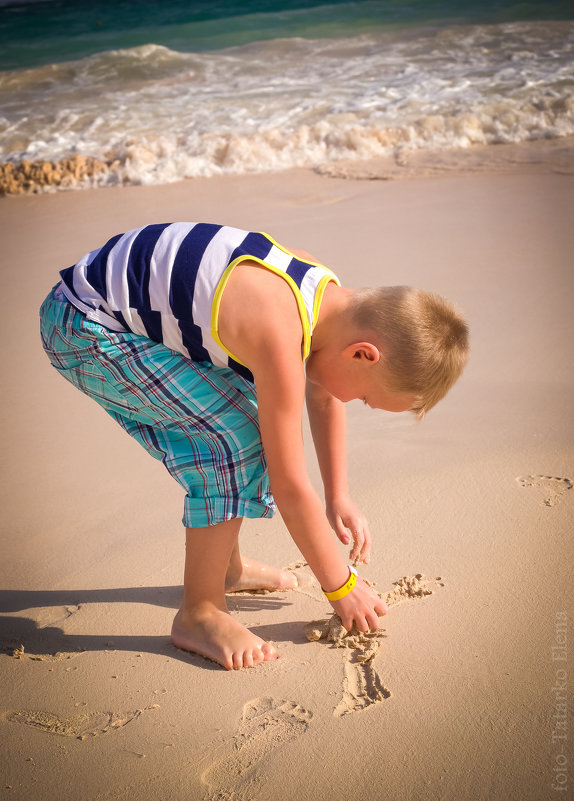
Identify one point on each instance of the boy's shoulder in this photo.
(259, 314)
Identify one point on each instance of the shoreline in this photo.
(75, 173)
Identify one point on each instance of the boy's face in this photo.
(354, 375)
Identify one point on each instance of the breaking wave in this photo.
(151, 115)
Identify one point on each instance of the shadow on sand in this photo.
(27, 638)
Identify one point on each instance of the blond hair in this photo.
(424, 340)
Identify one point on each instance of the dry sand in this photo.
(463, 698)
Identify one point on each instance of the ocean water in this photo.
(166, 90)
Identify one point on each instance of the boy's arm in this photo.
(280, 383)
(280, 397)
(329, 428)
(269, 343)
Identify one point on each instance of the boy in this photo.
(203, 341)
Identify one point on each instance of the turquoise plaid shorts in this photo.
(199, 420)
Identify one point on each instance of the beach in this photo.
(466, 696)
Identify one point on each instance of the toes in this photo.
(291, 581)
(237, 660)
(251, 657)
(269, 653)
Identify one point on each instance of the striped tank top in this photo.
(165, 282)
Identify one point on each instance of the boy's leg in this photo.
(203, 624)
(244, 573)
(155, 395)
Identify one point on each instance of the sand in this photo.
(463, 695)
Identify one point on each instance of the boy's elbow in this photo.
(291, 494)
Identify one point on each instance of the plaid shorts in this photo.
(200, 420)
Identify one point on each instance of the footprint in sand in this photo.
(549, 488)
(89, 724)
(362, 686)
(266, 724)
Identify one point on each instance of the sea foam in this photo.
(154, 115)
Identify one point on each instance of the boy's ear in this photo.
(363, 350)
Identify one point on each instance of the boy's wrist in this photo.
(334, 498)
(339, 580)
(344, 589)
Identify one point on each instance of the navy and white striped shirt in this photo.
(165, 282)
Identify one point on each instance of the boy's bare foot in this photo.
(213, 633)
(251, 575)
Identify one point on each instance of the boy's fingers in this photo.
(362, 624)
(381, 609)
(372, 621)
(365, 549)
(361, 554)
(359, 543)
(366, 555)
(347, 623)
(342, 532)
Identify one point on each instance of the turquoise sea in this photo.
(162, 90)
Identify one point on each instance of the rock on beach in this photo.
(34, 176)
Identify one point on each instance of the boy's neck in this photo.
(332, 313)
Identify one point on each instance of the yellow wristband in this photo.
(336, 595)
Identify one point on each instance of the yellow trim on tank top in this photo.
(321, 286)
(294, 288)
(290, 253)
(319, 292)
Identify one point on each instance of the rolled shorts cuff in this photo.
(197, 513)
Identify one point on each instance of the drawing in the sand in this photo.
(362, 685)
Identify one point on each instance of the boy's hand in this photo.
(362, 606)
(345, 517)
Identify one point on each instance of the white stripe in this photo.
(309, 288)
(82, 288)
(278, 258)
(92, 314)
(218, 356)
(161, 264)
(117, 272)
(161, 268)
(171, 334)
(212, 266)
(134, 322)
